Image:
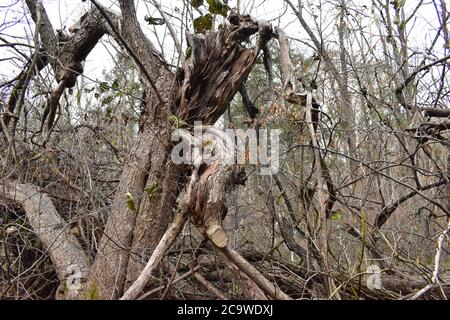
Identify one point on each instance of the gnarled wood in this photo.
(216, 69)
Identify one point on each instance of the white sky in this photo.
(66, 12)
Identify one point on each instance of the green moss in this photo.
(93, 293)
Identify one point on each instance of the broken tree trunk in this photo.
(212, 74)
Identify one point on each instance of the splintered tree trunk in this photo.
(214, 72)
(212, 75)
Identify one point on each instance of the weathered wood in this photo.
(60, 244)
(216, 69)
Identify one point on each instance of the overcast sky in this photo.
(63, 13)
